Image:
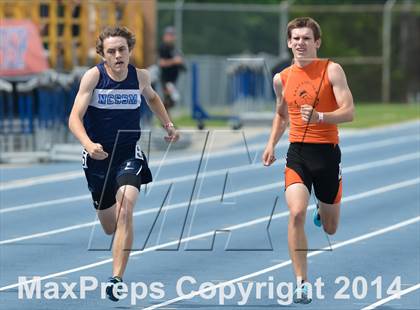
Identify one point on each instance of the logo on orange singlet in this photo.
(305, 93)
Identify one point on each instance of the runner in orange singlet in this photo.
(314, 96)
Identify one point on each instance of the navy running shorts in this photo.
(128, 167)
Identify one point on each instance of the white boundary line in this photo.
(256, 189)
(349, 149)
(65, 176)
(45, 203)
(148, 211)
(246, 224)
(286, 263)
(392, 297)
(43, 179)
(380, 129)
(71, 175)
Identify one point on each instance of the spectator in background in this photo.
(170, 63)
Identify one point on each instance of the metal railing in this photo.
(34, 113)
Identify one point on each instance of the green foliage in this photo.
(344, 35)
(227, 33)
(313, 2)
(367, 115)
(185, 120)
(377, 114)
(370, 89)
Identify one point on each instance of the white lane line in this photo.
(189, 177)
(66, 176)
(376, 191)
(45, 203)
(219, 172)
(383, 162)
(286, 263)
(392, 297)
(252, 190)
(414, 124)
(256, 189)
(379, 143)
(43, 179)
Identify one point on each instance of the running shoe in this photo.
(300, 295)
(317, 217)
(113, 281)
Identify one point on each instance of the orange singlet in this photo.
(300, 86)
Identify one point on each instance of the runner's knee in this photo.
(108, 225)
(297, 216)
(330, 215)
(107, 219)
(330, 227)
(125, 215)
(108, 229)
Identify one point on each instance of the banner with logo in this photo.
(21, 50)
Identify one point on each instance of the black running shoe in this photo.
(113, 281)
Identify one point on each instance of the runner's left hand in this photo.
(173, 134)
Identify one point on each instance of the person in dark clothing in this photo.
(170, 63)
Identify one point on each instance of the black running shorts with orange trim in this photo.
(317, 165)
(128, 167)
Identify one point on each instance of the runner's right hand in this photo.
(96, 151)
(268, 156)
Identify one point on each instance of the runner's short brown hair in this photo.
(302, 22)
(117, 31)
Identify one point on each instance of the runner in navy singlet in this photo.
(106, 120)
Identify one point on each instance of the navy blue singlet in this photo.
(114, 106)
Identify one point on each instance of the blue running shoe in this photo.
(300, 295)
(317, 217)
(113, 281)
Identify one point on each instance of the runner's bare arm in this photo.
(343, 96)
(280, 121)
(81, 103)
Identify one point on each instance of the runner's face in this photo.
(116, 53)
(303, 44)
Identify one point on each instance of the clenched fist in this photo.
(309, 114)
(96, 151)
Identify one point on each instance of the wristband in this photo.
(167, 125)
(320, 117)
